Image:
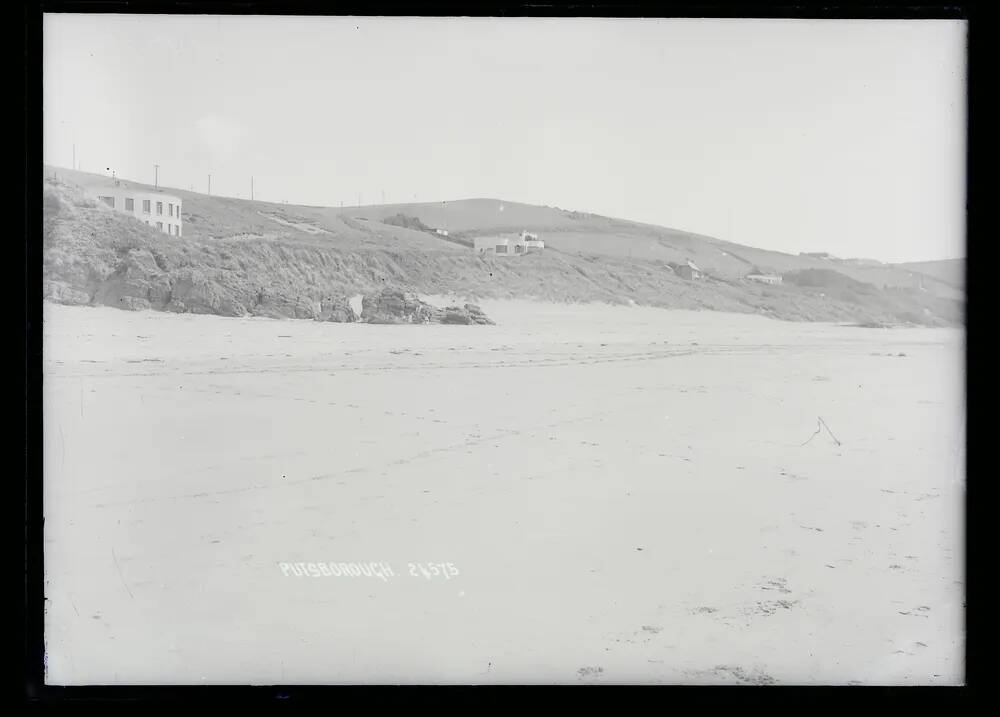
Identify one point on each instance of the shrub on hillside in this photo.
(407, 222)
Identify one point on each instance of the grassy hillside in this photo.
(947, 271)
(240, 257)
(581, 233)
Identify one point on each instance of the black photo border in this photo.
(36, 692)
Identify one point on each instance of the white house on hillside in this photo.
(155, 208)
(523, 243)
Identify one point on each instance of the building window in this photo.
(501, 248)
(170, 209)
(159, 225)
(177, 230)
(110, 201)
(177, 212)
(159, 208)
(129, 204)
(145, 206)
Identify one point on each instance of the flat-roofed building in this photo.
(508, 245)
(158, 209)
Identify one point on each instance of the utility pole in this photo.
(156, 176)
(383, 196)
(210, 185)
(74, 155)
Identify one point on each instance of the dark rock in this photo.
(337, 309)
(136, 283)
(278, 305)
(477, 315)
(134, 303)
(453, 316)
(195, 293)
(62, 293)
(392, 306)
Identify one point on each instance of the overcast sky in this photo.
(795, 135)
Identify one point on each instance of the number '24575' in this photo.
(431, 570)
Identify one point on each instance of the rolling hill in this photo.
(947, 271)
(250, 257)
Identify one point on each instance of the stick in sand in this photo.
(820, 425)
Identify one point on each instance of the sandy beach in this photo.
(627, 495)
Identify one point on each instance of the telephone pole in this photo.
(210, 185)
(156, 176)
(74, 155)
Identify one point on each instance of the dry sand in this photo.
(624, 492)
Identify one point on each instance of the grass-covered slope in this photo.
(947, 271)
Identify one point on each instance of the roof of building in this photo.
(125, 188)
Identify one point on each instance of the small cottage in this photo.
(771, 279)
(689, 270)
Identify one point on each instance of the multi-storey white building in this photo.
(155, 208)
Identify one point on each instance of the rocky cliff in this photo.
(393, 306)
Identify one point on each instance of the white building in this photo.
(531, 241)
(764, 278)
(523, 243)
(158, 209)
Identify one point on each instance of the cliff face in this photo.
(94, 256)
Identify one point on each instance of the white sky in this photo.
(795, 135)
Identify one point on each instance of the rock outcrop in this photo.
(60, 292)
(337, 309)
(277, 304)
(468, 314)
(392, 306)
(195, 292)
(136, 283)
(139, 281)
